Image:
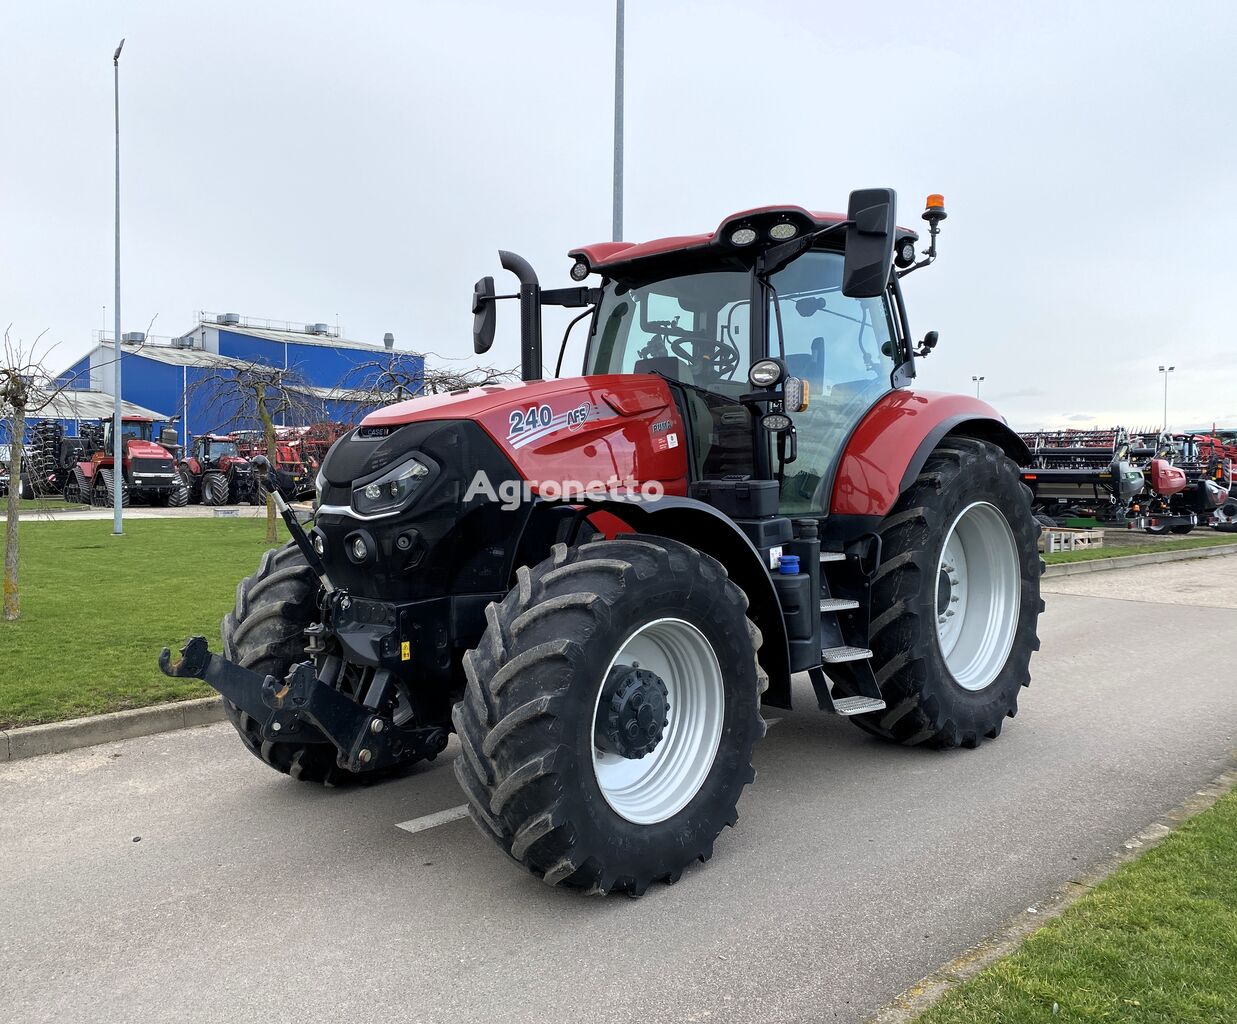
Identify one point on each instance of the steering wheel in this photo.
(716, 358)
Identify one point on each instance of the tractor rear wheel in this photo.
(955, 600)
(214, 489)
(610, 713)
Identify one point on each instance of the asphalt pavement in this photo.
(174, 878)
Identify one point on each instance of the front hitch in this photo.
(301, 708)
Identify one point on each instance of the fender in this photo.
(888, 448)
(706, 529)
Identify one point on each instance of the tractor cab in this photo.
(131, 429)
(213, 449)
(776, 334)
(696, 330)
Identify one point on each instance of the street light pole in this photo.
(1165, 370)
(117, 441)
(618, 122)
(977, 381)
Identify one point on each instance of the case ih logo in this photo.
(524, 426)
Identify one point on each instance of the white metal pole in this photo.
(117, 440)
(618, 122)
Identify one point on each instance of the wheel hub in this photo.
(632, 712)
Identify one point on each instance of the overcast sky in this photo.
(364, 160)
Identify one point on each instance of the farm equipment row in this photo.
(1157, 482)
(154, 470)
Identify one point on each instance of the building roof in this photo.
(72, 404)
(173, 355)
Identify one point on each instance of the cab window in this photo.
(844, 349)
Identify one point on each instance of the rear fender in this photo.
(706, 529)
(889, 447)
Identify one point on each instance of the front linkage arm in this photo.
(364, 739)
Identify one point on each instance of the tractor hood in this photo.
(580, 429)
(139, 449)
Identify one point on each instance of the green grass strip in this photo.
(1156, 943)
(96, 609)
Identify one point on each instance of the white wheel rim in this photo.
(660, 784)
(978, 592)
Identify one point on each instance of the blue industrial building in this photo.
(182, 377)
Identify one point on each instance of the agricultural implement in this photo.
(293, 475)
(596, 581)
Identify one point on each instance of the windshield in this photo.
(218, 449)
(693, 328)
(135, 431)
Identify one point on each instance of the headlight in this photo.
(391, 491)
(319, 487)
(766, 373)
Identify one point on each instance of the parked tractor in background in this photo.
(215, 472)
(596, 581)
(148, 473)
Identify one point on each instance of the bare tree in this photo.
(398, 375)
(243, 394)
(26, 389)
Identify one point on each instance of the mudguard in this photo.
(706, 529)
(888, 448)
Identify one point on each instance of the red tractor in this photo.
(596, 581)
(148, 467)
(217, 474)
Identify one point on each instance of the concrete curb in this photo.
(924, 993)
(57, 737)
(1129, 561)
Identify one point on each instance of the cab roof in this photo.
(612, 258)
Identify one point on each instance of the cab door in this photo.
(845, 349)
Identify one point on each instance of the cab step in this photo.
(832, 556)
(857, 705)
(837, 604)
(837, 655)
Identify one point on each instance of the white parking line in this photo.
(434, 820)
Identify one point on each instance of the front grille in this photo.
(152, 465)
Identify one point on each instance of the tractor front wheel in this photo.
(955, 600)
(610, 713)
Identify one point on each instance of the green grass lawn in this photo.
(1181, 543)
(96, 609)
(1156, 943)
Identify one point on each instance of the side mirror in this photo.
(869, 242)
(168, 437)
(927, 345)
(483, 315)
